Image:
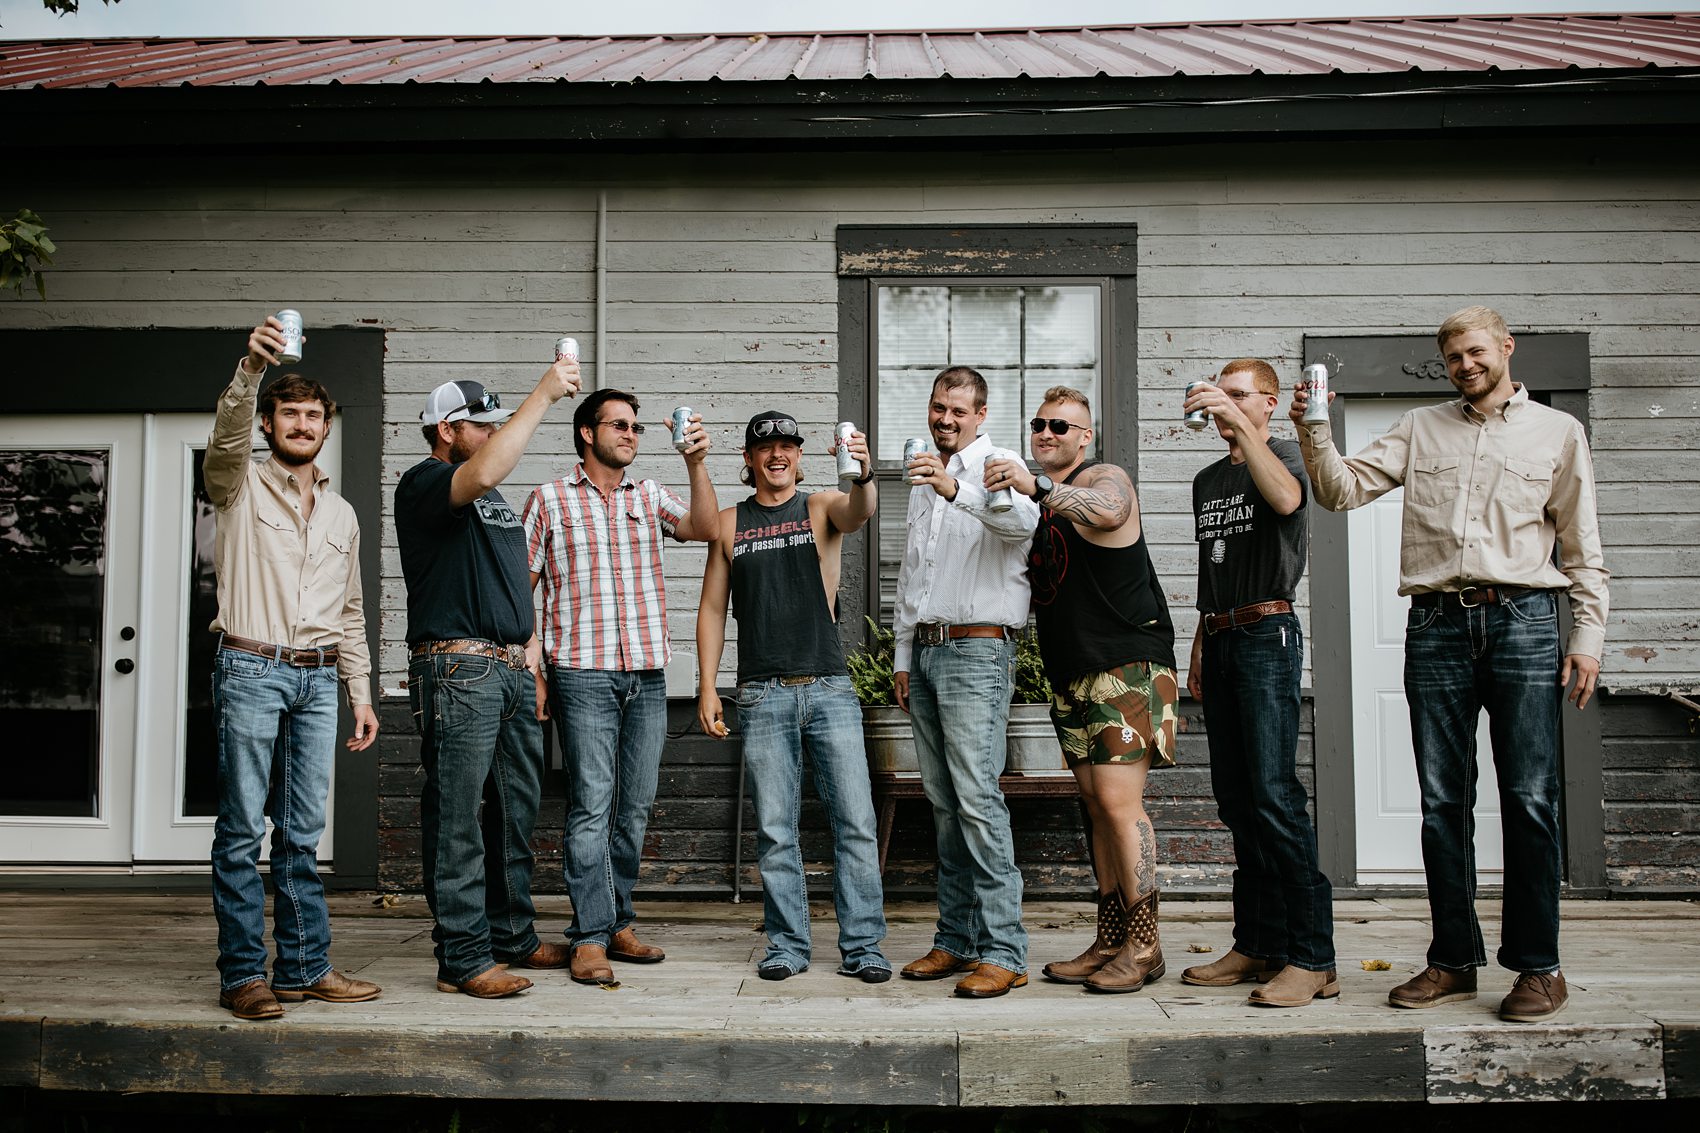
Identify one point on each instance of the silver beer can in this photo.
(291, 352)
(681, 422)
(1316, 387)
(849, 468)
(1001, 500)
(1198, 418)
(914, 447)
(566, 348)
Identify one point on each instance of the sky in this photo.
(26, 19)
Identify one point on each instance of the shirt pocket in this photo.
(337, 558)
(1433, 481)
(276, 537)
(1526, 486)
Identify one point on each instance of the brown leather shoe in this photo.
(1112, 934)
(1295, 987)
(1140, 960)
(549, 954)
(1234, 968)
(936, 965)
(627, 947)
(251, 1001)
(590, 966)
(336, 987)
(494, 982)
(988, 981)
(1433, 986)
(1535, 996)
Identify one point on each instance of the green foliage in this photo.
(24, 251)
(871, 669)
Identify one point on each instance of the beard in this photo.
(297, 452)
(610, 454)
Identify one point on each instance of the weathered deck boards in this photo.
(118, 992)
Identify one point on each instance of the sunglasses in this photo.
(784, 427)
(1056, 424)
(623, 426)
(478, 405)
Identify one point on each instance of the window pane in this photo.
(985, 327)
(1003, 409)
(914, 327)
(1062, 327)
(903, 408)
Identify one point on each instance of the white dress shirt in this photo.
(962, 564)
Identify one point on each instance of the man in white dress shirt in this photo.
(962, 597)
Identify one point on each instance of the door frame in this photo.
(1557, 368)
(179, 370)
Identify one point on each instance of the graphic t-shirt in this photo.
(1247, 551)
(785, 626)
(465, 570)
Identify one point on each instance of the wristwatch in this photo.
(1041, 488)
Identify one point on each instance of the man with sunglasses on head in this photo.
(473, 647)
(962, 596)
(778, 560)
(1247, 656)
(1109, 653)
(595, 539)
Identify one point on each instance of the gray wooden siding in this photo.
(721, 294)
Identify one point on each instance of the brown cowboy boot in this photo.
(1112, 934)
(1141, 959)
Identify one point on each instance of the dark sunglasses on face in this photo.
(769, 427)
(621, 426)
(1056, 424)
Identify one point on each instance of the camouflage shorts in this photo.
(1120, 715)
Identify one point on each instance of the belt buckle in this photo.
(796, 680)
(514, 655)
(1467, 590)
(932, 633)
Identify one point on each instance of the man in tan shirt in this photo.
(1491, 481)
(291, 623)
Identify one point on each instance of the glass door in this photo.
(70, 532)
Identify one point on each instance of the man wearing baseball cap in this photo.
(777, 558)
(473, 651)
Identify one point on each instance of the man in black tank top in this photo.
(777, 559)
(1109, 652)
(1247, 657)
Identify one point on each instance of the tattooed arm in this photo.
(1100, 497)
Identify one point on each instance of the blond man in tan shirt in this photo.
(1492, 481)
(291, 622)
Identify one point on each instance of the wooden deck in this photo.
(118, 992)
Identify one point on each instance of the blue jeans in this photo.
(482, 744)
(1502, 657)
(612, 726)
(959, 702)
(276, 747)
(1283, 905)
(779, 722)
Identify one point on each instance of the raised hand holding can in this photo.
(1316, 392)
(290, 353)
(681, 422)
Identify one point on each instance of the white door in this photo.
(122, 600)
(1389, 805)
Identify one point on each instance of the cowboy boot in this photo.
(1141, 958)
(1112, 934)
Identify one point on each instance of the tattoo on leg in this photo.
(1147, 879)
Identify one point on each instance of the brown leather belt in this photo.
(1471, 596)
(300, 658)
(937, 633)
(513, 656)
(1245, 615)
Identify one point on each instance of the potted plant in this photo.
(886, 729)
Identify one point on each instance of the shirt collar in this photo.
(289, 481)
(1508, 409)
(580, 476)
(960, 458)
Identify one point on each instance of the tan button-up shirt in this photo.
(283, 579)
(1485, 499)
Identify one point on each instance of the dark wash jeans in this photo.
(482, 743)
(1502, 657)
(1283, 905)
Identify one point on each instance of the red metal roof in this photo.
(1288, 47)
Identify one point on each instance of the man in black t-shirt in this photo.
(473, 655)
(1247, 656)
(777, 558)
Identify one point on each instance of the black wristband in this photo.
(868, 479)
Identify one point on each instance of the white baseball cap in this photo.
(463, 401)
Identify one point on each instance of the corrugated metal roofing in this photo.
(1291, 47)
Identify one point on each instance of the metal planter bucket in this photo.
(1032, 741)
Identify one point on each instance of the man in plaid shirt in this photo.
(595, 542)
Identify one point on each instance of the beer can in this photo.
(291, 352)
(1316, 386)
(566, 348)
(849, 468)
(681, 422)
(1001, 500)
(914, 447)
(1198, 418)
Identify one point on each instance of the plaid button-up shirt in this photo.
(599, 558)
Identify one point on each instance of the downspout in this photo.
(601, 289)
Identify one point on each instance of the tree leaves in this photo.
(24, 251)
